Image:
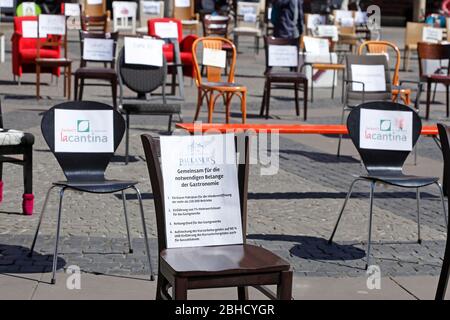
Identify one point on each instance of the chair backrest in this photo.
(150, 10)
(82, 166)
(124, 15)
(27, 9)
(248, 14)
(413, 33)
(215, 25)
(213, 73)
(184, 13)
(141, 79)
(354, 91)
(432, 51)
(444, 133)
(278, 42)
(106, 37)
(152, 26)
(93, 8)
(94, 23)
(382, 47)
(382, 160)
(56, 41)
(152, 154)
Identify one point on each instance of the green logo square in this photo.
(385, 125)
(83, 126)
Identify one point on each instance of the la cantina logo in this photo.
(388, 130)
(82, 132)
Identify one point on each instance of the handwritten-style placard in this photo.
(246, 9)
(315, 20)
(201, 194)
(51, 24)
(328, 32)
(144, 51)
(283, 56)
(124, 9)
(343, 14)
(182, 3)
(29, 29)
(385, 130)
(72, 9)
(98, 49)
(373, 77)
(151, 7)
(166, 30)
(433, 35)
(214, 58)
(316, 45)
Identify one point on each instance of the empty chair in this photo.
(247, 23)
(149, 10)
(124, 16)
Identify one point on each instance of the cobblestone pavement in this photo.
(291, 213)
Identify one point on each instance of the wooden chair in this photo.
(432, 51)
(97, 10)
(287, 79)
(63, 62)
(413, 35)
(245, 25)
(94, 23)
(147, 12)
(245, 265)
(124, 16)
(189, 19)
(225, 89)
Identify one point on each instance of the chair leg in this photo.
(369, 239)
(114, 92)
(69, 80)
(144, 227)
(161, 288)
(269, 85)
(44, 207)
(179, 290)
(419, 240)
(38, 81)
(199, 104)
(349, 193)
(211, 107)
(124, 201)
(75, 88)
(127, 138)
(242, 293)
(284, 288)
(444, 211)
(58, 229)
(312, 84)
(305, 100)
(447, 101)
(244, 106)
(28, 170)
(427, 114)
(263, 102)
(81, 89)
(169, 128)
(338, 153)
(297, 108)
(434, 93)
(332, 84)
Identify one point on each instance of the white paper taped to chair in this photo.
(94, 2)
(373, 77)
(143, 51)
(315, 20)
(6, 3)
(72, 9)
(214, 58)
(124, 9)
(433, 35)
(201, 192)
(30, 29)
(385, 130)
(51, 24)
(166, 30)
(84, 131)
(182, 3)
(316, 45)
(283, 56)
(98, 49)
(328, 31)
(151, 7)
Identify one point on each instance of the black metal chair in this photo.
(85, 172)
(14, 142)
(444, 134)
(143, 80)
(385, 166)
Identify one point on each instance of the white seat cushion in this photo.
(10, 137)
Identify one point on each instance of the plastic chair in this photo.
(246, 265)
(247, 23)
(146, 13)
(85, 171)
(214, 83)
(124, 16)
(143, 80)
(386, 166)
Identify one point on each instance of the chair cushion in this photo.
(186, 57)
(14, 137)
(96, 73)
(149, 108)
(439, 77)
(222, 260)
(105, 186)
(285, 76)
(31, 54)
(401, 180)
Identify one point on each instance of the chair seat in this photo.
(285, 76)
(105, 186)
(247, 30)
(54, 61)
(15, 137)
(222, 260)
(189, 22)
(401, 180)
(147, 108)
(328, 66)
(437, 78)
(96, 73)
(224, 86)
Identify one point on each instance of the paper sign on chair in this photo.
(151, 7)
(214, 58)
(182, 3)
(72, 9)
(98, 49)
(51, 24)
(373, 77)
(283, 56)
(144, 51)
(166, 30)
(30, 29)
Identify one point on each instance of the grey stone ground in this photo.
(291, 213)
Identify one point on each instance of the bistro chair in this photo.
(290, 78)
(85, 171)
(12, 143)
(239, 265)
(225, 89)
(444, 134)
(189, 19)
(247, 23)
(143, 80)
(386, 166)
(433, 51)
(97, 73)
(218, 26)
(149, 10)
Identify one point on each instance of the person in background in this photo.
(287, 18)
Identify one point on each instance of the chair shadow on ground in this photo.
(314, 248)
(15, 259)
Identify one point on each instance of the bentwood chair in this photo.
(214, 87)
(440, 52)
(444, 134)
(143, 80)
(221, 266)
(386, 166)
(289, 79)
(12, 143)
(85, 171)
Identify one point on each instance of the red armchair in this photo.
(24, 51)
(185, 45)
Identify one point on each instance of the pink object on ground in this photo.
(28, 203)
(1, 191)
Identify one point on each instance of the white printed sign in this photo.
(373, 77)
(342, 15)
(94, 2)
(214, 58)
(361, 17)
(28, 9)
(283, 56)
(166, 30)
(201, 192)
(144, 51)
(434, 35)
(182, 3)
(30, 29)
(328, 31)
(72, 9)
(316, 45)
(98, 49)
(249, 17)
(124, 9)
(6, 3)
(315, 20)
(385, 130)
(52, 24)
(151, 7)
(85, 131)
(243, 10)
